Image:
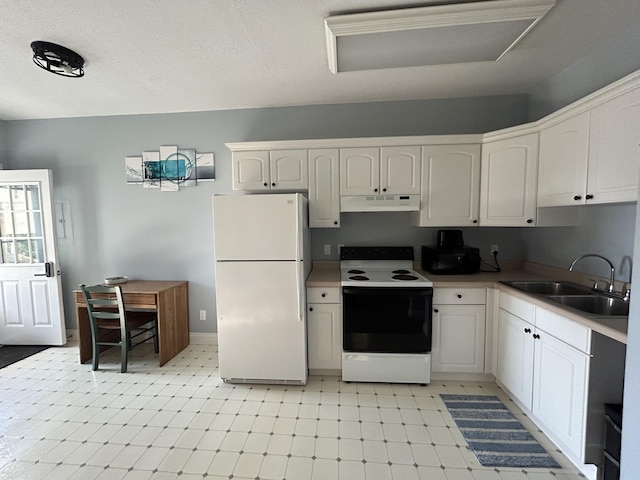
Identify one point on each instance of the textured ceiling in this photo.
(156, 56)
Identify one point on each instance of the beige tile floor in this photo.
(60, 420)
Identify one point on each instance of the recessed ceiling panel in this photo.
(436, 35)
(484, 42)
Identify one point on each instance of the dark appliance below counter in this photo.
(450, 261)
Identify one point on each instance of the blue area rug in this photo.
(494, 435)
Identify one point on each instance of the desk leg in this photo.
(173, 322)
(84, 334)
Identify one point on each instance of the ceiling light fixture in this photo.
(479, 31)
(57, 59)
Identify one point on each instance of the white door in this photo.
(261, 321)
(288, 169)
(324, 336)
(359, 171)
(458, 338)
(324, 188)
(251, 170)
(400, 170)
(509, 182)
(515, 356)
(450, 186)
(30, 288)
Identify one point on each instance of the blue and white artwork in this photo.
(169, 168)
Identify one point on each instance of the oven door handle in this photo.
(416, 291)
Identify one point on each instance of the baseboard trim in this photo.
(469, 377)
(203, 338)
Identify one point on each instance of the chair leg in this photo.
(96, 353)
(124, 354)
(155, 336)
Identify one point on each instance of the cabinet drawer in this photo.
(459, 296)
(323, 295)
(565, 330)
(519, 308)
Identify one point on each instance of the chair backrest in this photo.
(104, 303)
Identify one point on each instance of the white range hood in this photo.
(380, 203)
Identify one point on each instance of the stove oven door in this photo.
(387, 320)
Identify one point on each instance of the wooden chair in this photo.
(107, 316)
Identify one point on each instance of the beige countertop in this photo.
(326, 274)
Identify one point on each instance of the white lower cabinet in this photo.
(561, 373)
(324, 328)
(458, 338)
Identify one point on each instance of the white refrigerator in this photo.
(263, 257)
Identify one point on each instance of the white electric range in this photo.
(386, 316)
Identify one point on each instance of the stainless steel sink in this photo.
(550, 287)
(595, 304)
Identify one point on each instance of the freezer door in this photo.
(258, 227)
(261, 321)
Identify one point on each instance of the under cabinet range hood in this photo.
(380, 203)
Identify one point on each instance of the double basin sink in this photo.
(575, 296)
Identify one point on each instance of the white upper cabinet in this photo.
(400, 170)
(270, 170)
(324, 188)
(450, 192)
(359, 171)
(251, 170)
(564, 151)
(508, 182)
(614, 150)
(378, 171)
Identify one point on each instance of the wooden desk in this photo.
(170, 299)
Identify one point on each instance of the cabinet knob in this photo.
(384, 189)
(266, 184)
(529, 220)
(588, 196)
(311, 309)
(577, 197)
(475, 221)
(323, 295)
(273, 184)
(335, 222)
(536, 336)
(375, 189)
(435, 310)
(527, 330)
(459, 295)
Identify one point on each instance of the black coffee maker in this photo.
(450, 256)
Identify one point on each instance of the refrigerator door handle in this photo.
(300, 306)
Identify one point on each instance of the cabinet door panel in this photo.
(324, 195)
(324, 336)
(613, 149)
(458, 338)
(562, 174)
(251, 170)
(288, 169)
(359, 171)
(450, 185)
(515, 356)
(509, 182)
(559, 386)
(400, 170)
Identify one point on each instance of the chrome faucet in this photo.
(611, 279)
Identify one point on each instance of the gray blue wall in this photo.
(3, 140)
(122, 229)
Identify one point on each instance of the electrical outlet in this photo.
(203, 314)
(494, 248)
(327, 249)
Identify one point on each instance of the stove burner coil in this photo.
(359, 277)
(401, 271)
(356, 272)
(404, 277)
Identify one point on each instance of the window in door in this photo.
(21, 231)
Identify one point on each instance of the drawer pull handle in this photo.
(435, 310)
(311, 309)
(536, 336)
(527, 330)
(323, 295)
(459, 295)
